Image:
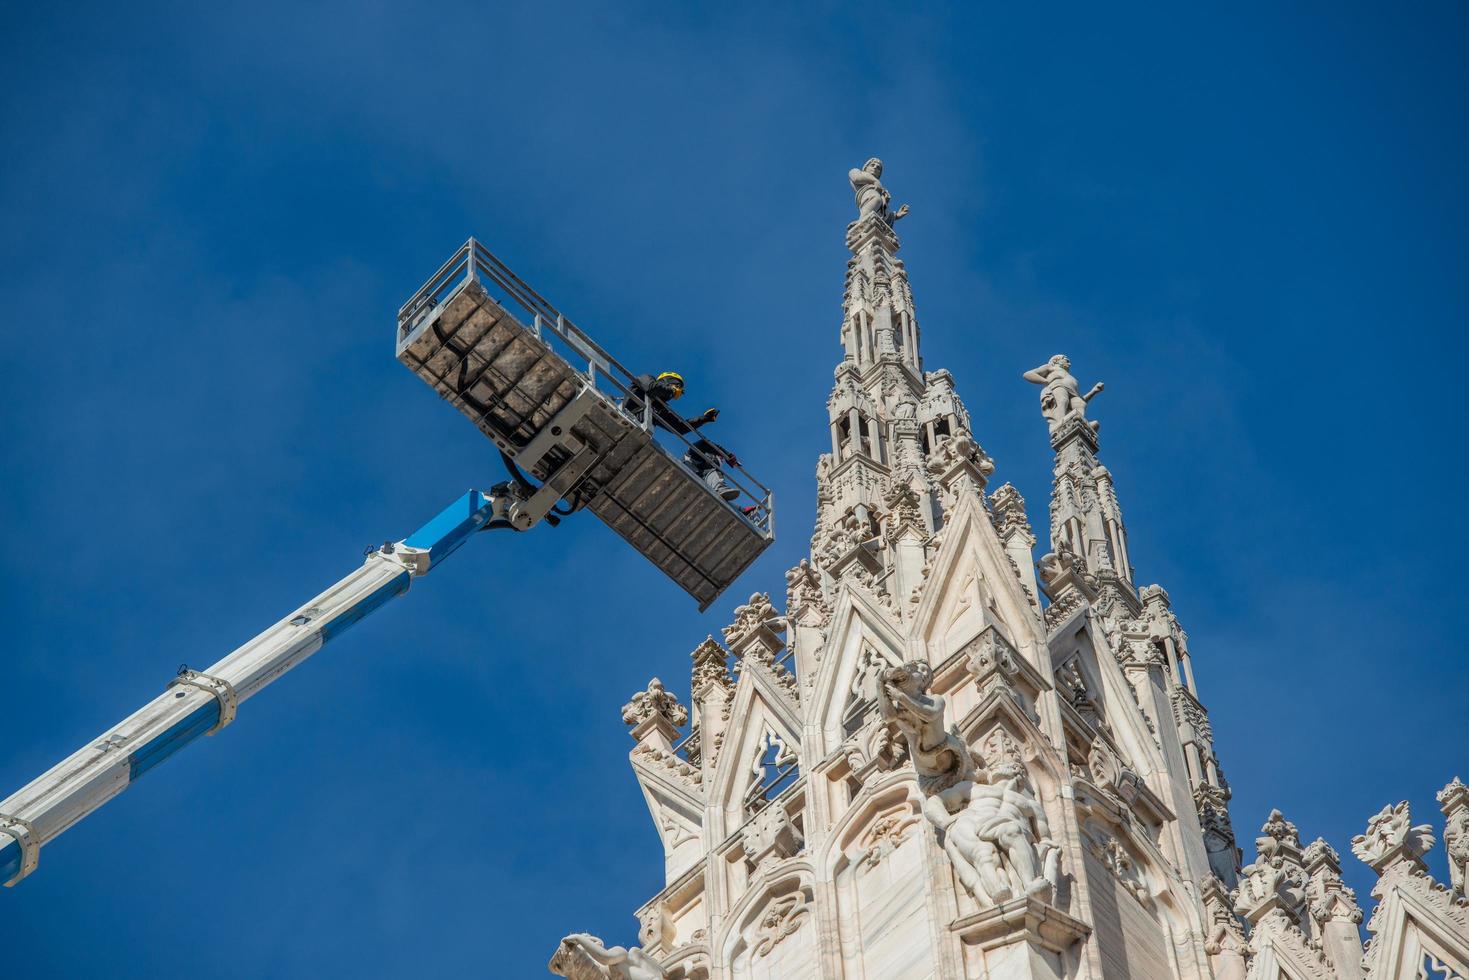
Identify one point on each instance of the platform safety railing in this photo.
(472, 262)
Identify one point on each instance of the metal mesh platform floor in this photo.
(508, 378)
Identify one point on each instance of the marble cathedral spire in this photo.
(896, 430)
(917, 770)
(1088, 564)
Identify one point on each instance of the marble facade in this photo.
(945, 757)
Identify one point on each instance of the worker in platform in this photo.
(704, 456)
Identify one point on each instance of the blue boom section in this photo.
(443, 535)
(9, 861)
(440, 537)
(171, 739)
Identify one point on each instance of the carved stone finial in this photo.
(903, 512)
(1279, 833)
(1392, 839)
(756, 624)
(1063, 569)
(1061, 397)
(1453, 799)
(709, 669)
(655, 702)
(1330, 898)
(1008, 508)
(804, 599)
(1276, 880)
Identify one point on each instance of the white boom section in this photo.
(202, 702)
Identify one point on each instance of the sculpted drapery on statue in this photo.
(993, 828)
(1061, 396)
(873, 198)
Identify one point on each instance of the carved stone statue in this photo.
(940, 757)
(993, 829)
(583, 957)
(873, 199)
(998, 840)
(1453, 799)
(1061, 396)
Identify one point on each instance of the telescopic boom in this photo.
(506, 359)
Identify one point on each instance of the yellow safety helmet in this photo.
(675, 379)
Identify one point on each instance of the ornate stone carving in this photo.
(1061, 397)
(1071, 684)
(1224, 939)
(1212, 804)
(1187, 711)
(709, 669)
(1276, 880)
(755, 622)
(1391, 838)
(1062, 607)
(940, 756)
(959, 466)
(1113, 856)
(1008, 509)
(838, 539)
(655, 928)
(998, 746)
(770, 836)
(993, 828)
(583, 957)
(1276, 930)
(1334, 910)
(903, 513)
(1406, 876)
(804, 599)
(670, 762)
(865, 680)
(782, 918)
(1453, 799)
(784, 680)
(1330, 898)
(885, 835)
(654, 702)
(1109, 773)
(991, 660)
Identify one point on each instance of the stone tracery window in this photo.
(775, 769)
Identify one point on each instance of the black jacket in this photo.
(646, 386)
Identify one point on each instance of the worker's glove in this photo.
(731, 457)
(710, 414)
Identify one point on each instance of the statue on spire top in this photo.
(873, 199)
(1061, 396)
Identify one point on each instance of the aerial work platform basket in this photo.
(511, 363)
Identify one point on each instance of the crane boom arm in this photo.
(199, 703)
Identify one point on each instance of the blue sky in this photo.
(1250, 223)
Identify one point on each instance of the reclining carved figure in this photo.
(583, 957)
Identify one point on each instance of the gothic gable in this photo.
(756, 716)
(861, 634)
(971, 584)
